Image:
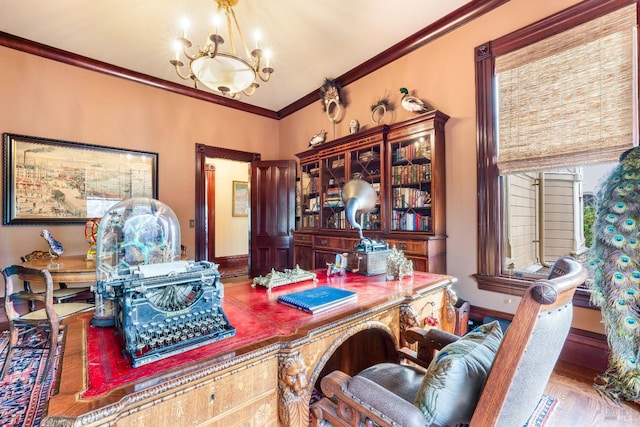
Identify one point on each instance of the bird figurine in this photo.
(614, 261)
(318, 138)
(55, 247)
(412, 103)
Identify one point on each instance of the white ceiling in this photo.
(310, 40)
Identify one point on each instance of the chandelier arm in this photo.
(188, 56)
(267, 74)
(178, 65)
(251, 89)
(186, 44)
(215, 49)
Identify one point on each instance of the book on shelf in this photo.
(333, 204)
(318, 300)
(339, 163)
(418, 150)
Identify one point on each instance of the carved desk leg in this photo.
(293, 390)
(448, 317)
(408, 319)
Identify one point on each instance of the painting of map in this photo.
(62, 181)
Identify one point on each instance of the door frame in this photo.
(202, 243)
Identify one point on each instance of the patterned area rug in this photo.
(22, 399)
(543, 411)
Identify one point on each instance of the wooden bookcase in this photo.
(405, 164)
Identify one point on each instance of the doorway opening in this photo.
(212, 172)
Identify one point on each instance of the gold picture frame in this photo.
(240, 202)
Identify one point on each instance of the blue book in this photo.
(316, 300)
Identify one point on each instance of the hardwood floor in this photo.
(578, 402)
(580, 405)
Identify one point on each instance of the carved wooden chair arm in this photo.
(12, 294)
(429, 342)
(359, 399)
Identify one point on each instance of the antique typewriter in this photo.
(158, 304)
(165, 309)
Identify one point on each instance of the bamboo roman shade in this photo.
(571, 98)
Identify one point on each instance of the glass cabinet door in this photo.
(366, 165)
(333, 178)
(411, 184)
(310, 195)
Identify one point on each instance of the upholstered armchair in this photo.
(481, 379)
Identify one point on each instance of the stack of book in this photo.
(338, 163)
(333, 197)
(368, 156)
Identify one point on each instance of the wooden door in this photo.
(273, 188)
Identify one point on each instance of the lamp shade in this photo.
(223, 73)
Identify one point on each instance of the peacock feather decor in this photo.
(614, 261)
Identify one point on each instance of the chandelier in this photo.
(224, 72)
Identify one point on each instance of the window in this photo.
(553, 100)
(548, 214)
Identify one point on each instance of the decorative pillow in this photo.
(450, 390)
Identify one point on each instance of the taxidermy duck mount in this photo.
(413, 104)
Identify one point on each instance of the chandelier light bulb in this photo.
(267, 57)
(177, 47)
(185, 26)
(258, 36)
(216, 23)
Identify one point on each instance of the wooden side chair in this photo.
(45, 320)
(482, 379)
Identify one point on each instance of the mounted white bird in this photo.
(413, 103)
(318, 138)
(55, 247)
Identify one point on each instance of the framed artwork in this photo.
(47, 181)
(240, 202)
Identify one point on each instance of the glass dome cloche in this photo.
(134, 232)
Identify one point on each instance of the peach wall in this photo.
(44, 98)
(443, 74)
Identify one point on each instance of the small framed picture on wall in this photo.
(240, 202)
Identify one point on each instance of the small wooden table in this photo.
(64, 270)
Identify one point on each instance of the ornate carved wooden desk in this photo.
(263, 376)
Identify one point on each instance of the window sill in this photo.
(517, 287)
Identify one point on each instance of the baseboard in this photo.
(582, 348)
(232, 266)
